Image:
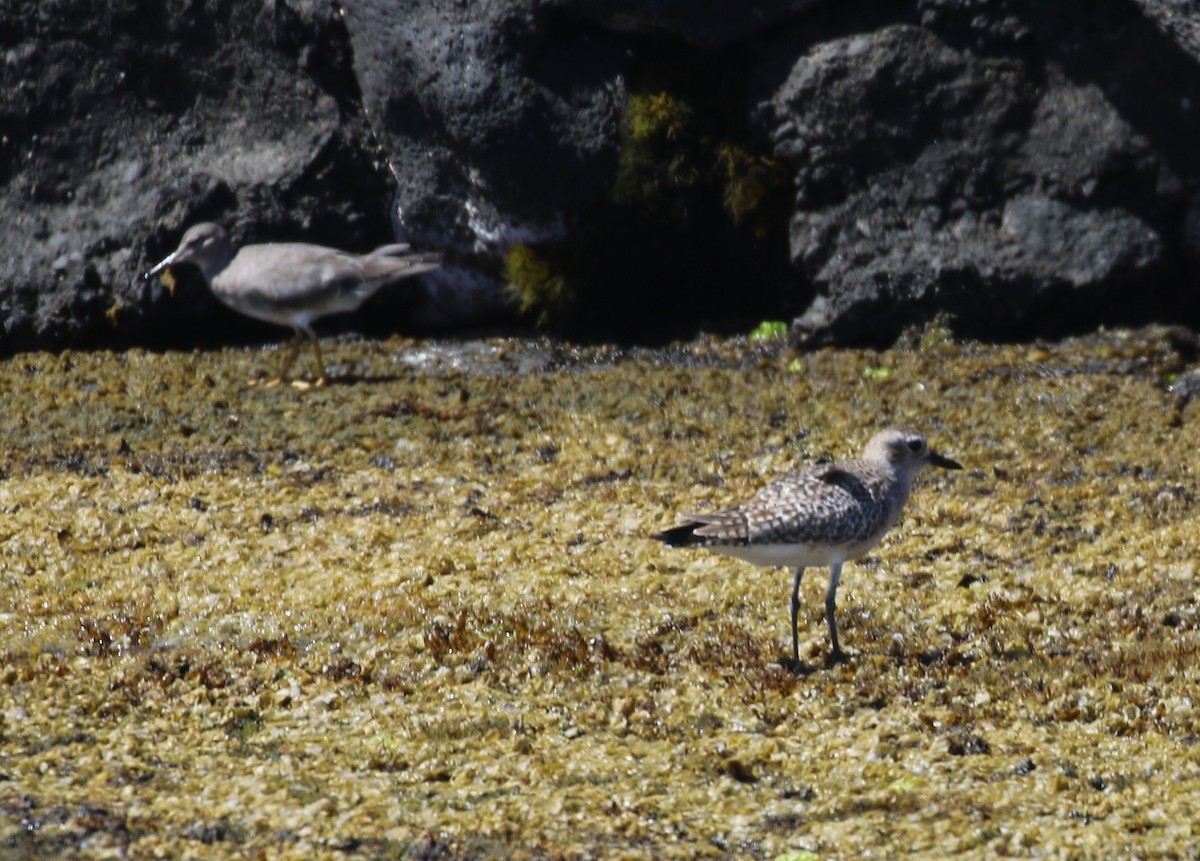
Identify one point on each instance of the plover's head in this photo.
(206, 245)
(905, 449)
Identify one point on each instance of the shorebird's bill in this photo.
(943, 461)
(167, 278)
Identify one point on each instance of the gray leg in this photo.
(316, 344)
(835, 574)
(795, 612)
(297, 342)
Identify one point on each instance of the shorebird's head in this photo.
(906, 450)
(204, 245)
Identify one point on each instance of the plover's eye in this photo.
(915, 445)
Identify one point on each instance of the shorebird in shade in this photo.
(292, 283)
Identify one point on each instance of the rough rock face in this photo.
(1013, 168)
(703, 24)
(127, 121)
(498, 119)
(1020, 167)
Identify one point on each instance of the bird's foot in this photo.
(837, 657)
(305, 385)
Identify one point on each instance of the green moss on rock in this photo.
(536, 285)
(697, 213)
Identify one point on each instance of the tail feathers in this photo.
(403, 252)
(683, 535)
(392, 262)
(706, 530)
(397, 250)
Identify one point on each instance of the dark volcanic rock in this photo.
(125, 122)
(994, 165)
(499, 119)
(503, 120)
(702, 23)
(508, 124)
(1022, 168)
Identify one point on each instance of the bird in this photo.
(825, 514)
(292, 283)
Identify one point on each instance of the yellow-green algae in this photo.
(535, 285)
(694, 205)
(415, 613)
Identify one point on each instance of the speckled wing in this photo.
(822, 504)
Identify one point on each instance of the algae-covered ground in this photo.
(415, 613)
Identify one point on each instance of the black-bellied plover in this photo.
(292, 283)
(820, 515)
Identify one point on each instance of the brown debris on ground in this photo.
(417, 615)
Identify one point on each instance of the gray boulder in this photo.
(1020, 168)
(1000, 188)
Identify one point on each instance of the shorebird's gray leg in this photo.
(835, 574)
(319, 379)
(297, 342)
(302, 332)
(795, 613)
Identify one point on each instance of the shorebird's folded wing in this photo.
(822, 504)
